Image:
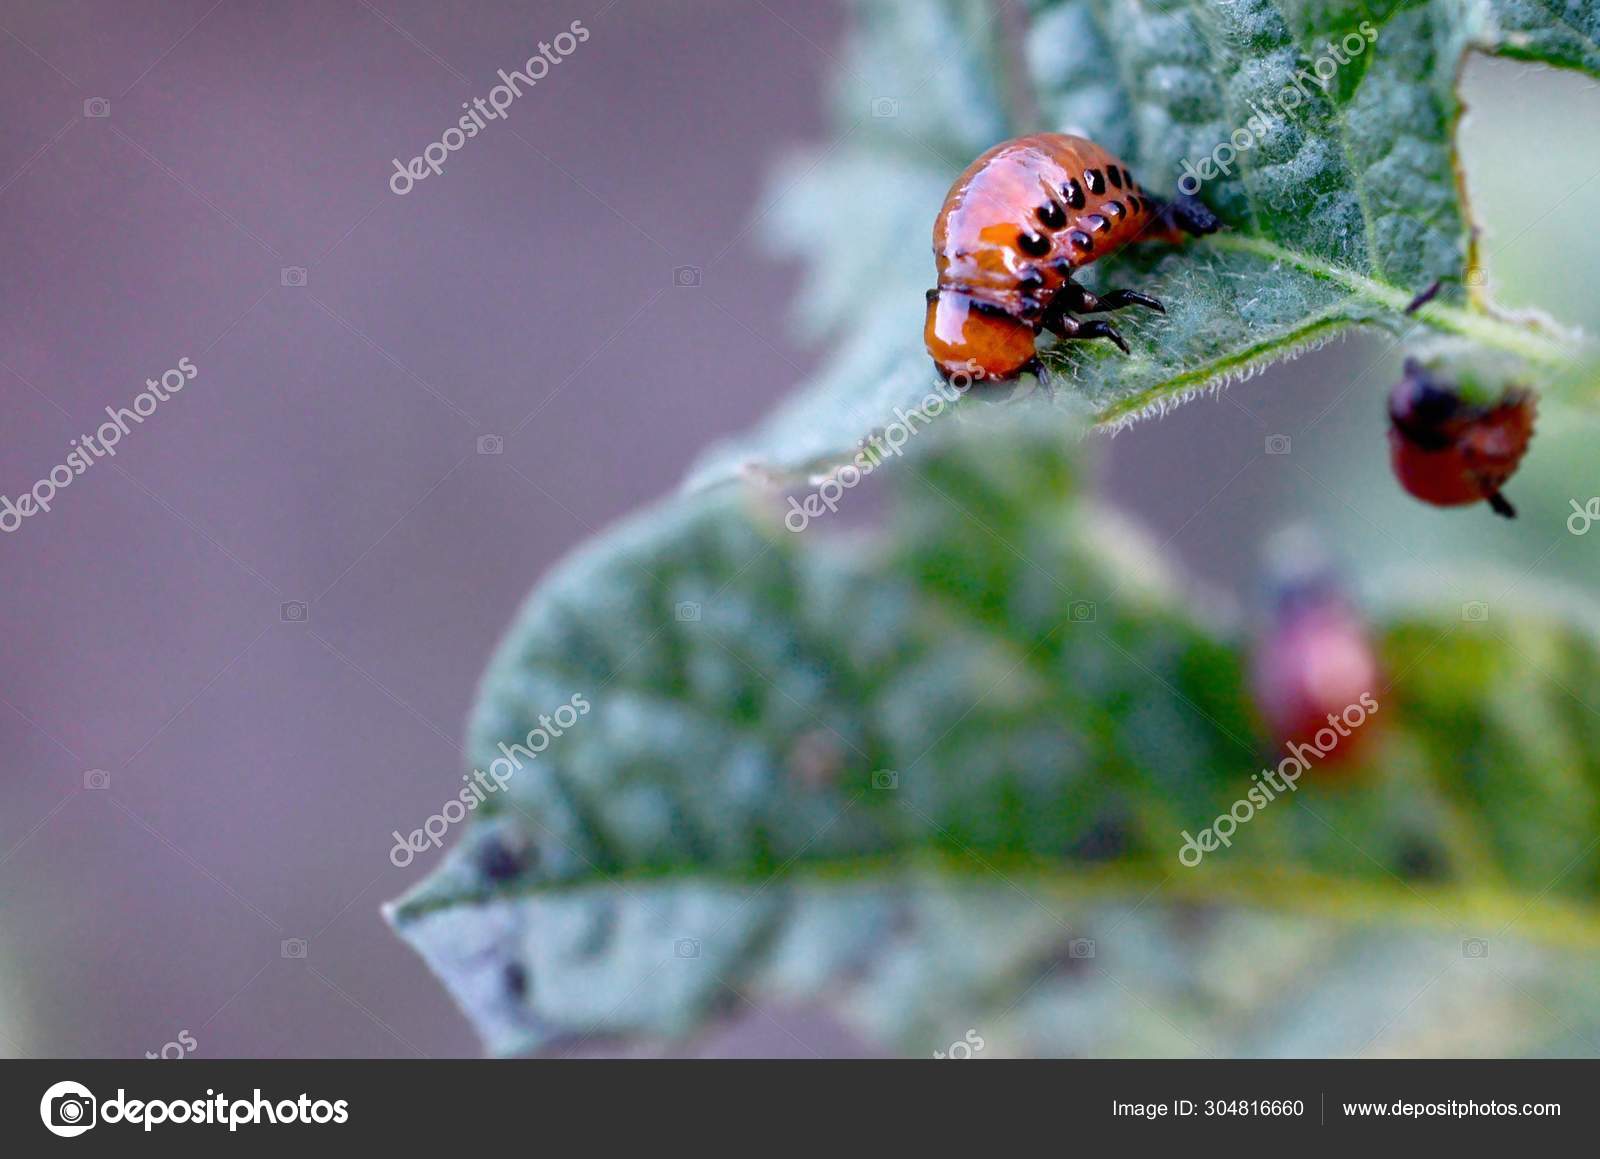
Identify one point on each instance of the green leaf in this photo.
(1341, 213)
(901, 776)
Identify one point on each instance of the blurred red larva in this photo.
(1449, 451)
(1012, 230)
(1314, 673)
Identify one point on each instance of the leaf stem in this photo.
(1515, 337)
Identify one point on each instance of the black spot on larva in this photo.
(1081, 240)
(1034, 244)
(979, 306)
(1095, 180)
(1030, 282)
(1114, 208)
(1127, 178)
(516, 978)
(1031, 307)
(1064, 267)
(1116, 177)
(1052, 216)
(1073, 192)
(1095, 222)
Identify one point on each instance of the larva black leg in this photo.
(1100, 328)
(1057, 322)
(1117, 299)
(1500, 506)
(1074, 299)
(1037, 368)
(1073, 328)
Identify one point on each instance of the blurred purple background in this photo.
(327, 455)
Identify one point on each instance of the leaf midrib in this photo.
(1486, 328)
(1555, 922)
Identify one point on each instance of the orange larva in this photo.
(1448, 451)
(1014, 227)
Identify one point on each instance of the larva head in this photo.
(1423, 404)
(969, 337)
(1457, 432)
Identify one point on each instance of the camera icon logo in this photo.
(68, 1109)
(97, 107)
(1475, 612)
(491, 445)
(1080, 948)
(688, 612)
(1081, 611)
(294, 612)
(885, 779)
(1278, 444)
(1474, 947)
(96, 779)
(291, 948)
(293, 276)
(686, 948)
(686, 277)
(885, 107)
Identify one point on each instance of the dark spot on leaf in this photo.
(1418, 860)
(516, 980)
(500, 861)
(1060, 961)
(1106, 840)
